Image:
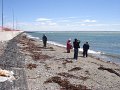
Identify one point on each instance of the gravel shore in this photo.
(51, 68)
(11, 59)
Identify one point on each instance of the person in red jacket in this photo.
(69, 46)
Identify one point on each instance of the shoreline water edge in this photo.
(51, 68)
(96, 54)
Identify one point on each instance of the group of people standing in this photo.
(76, 46)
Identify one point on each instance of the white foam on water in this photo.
(30, 36)
(57, 44)
(61, 45)
(80, 49)
(94, 52)
(98, 54)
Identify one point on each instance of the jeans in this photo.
(76, 53)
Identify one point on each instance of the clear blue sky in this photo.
(68, 15)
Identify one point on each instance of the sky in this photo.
(61, 15)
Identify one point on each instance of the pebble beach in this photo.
(51, 68)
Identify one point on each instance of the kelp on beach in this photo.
(50, 67)
(65, 84)
(34, 50)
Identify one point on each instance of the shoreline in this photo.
(51, 68)
(59, 62)
(91, 53)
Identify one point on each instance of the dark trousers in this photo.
(85, 53)
(76, 53)
(44, 43)
(68, 50)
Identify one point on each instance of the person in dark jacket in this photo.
(44, 38)
(85, 49)
(76, 46)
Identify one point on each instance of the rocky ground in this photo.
(51, 68)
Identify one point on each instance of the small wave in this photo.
(61, 45)
(30, 36)
(94, 52)
(57, 44)
(112, 55)
(91, 51)
(80, 49)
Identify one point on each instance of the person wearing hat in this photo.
(69, 46)
(44, 38)
(76, 46)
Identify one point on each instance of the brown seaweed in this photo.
(31, 66)
(67, 75)
(65, 84)
(109, 70)
(75, 69)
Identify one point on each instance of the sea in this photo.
(103, 44)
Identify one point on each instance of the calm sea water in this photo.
(102, 44)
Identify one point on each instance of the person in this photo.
(85, 49)
(76, 46)
(69, 46)
(44, 38)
